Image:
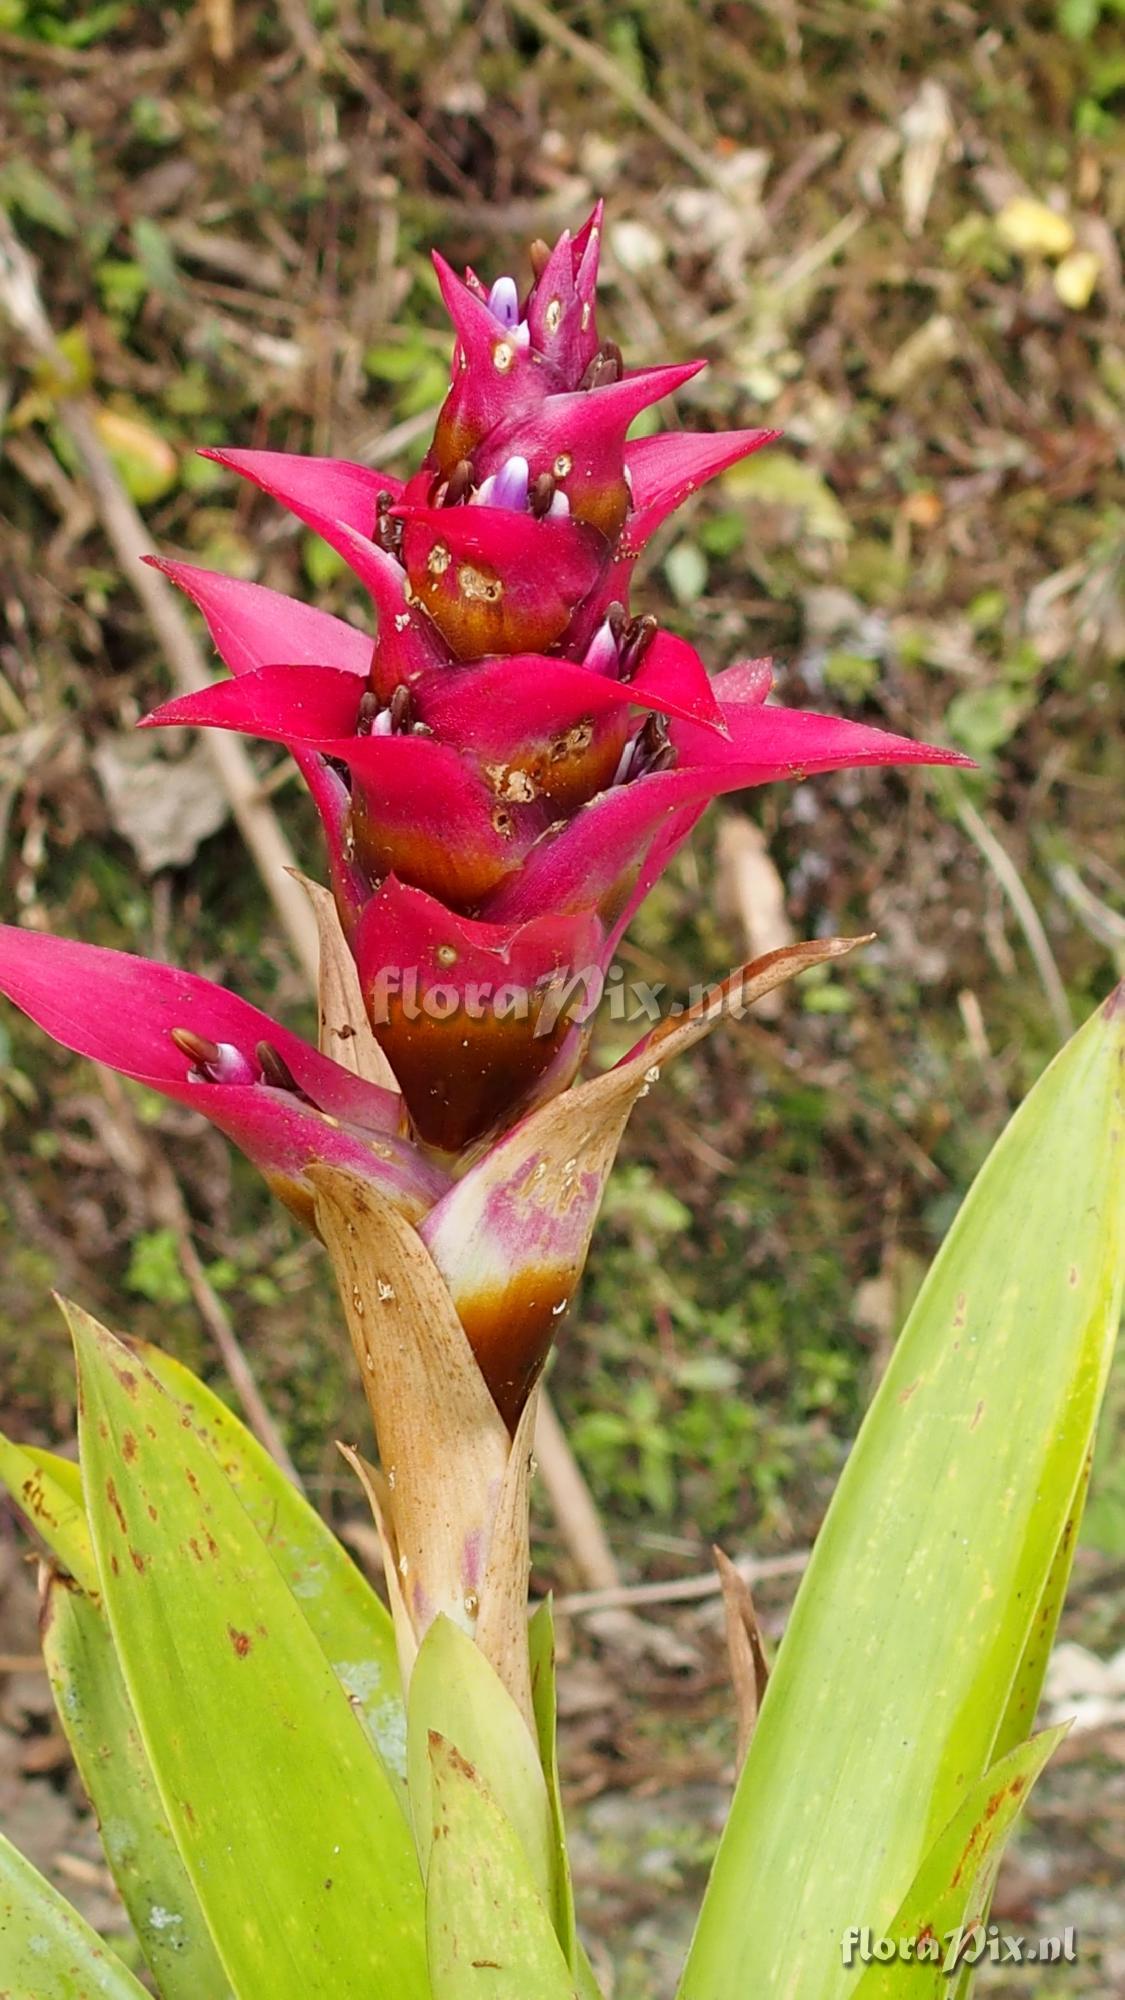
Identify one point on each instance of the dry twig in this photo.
(587, 1543)
(682, 1589)
(22, 305)
(1026, 914)
(590, 57)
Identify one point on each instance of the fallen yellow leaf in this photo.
(1032, 229)
(1076, 279)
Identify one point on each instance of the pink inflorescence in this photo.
(506, 762)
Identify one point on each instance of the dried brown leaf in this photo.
(502, 1625)
(374, 1485)
(442, 1442)
(749, 1668)
(345, 1032)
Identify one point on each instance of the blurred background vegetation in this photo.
(893, 229)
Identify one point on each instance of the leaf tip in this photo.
(82, 1327)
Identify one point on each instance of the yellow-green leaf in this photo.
(455, 1693)
(100, 1727)
(47, 1951)
(778, 480)
(48, 1492)
(951, 1892)
(488, 1931)
(541, 1641)
(915, 1621)
(352, 1623)
(144, 461)
(289, 1827)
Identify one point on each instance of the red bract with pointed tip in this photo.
(504, 758)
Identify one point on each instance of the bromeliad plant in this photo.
(300, 1792)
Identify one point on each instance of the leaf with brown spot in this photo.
(48, 1492)
(269, 1781)
(457, 1694)
(953, 1886)
(47, 1951)
(348, 1618)
(99, 1724)
(488, 1930)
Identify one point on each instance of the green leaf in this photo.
(145, 462)
(456, 1693)
(47, 1951)
(395, 363)
(48, 1492)
(90, 24)
(353, 1625)
(488, 1931)
(287, 1823)
(777, 480)
(124, 287)
(322, 565)
(541, 1642)
(1078, 18)
(981, 720)
(100, 1727)
(1027, 1685)
(155, 256)
(155, 1270)
(685, 567)
(953, 1887)
(901, 1666)
(24, 187)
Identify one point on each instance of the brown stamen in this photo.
(652, 750)
(388, 532)
(634, 643)
(616, 618)
(607, 365)
(540, 494)
(539, 253)
(401, 705)
(196, 1048)
(368, 710)
(276, 1070)
(459, 483)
